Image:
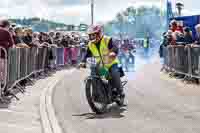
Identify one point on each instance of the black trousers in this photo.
(116, 73)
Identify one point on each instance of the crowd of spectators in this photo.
(16, 36)
(178, 35)
(13, 36)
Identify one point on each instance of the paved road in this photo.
(155, 105)
(23, 116)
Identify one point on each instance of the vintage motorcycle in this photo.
(98, 88)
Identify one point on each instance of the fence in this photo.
(182, 60)
(3, 69)
(18, 64)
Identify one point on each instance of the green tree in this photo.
(141, 21)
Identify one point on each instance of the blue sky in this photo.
(76, 11)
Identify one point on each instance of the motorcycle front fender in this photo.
(90, 78)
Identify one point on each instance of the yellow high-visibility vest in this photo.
(104, 51)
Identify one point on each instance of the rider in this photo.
(100, 45)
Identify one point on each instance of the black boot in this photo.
(120, 98)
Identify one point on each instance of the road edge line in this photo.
(45, 123)
(49, 121)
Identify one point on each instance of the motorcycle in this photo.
(98, 88)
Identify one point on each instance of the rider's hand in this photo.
(82, 65)
(112, 55)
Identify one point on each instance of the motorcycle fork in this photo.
(107, 88)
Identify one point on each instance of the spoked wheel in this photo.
(121, 99)
(96, 96)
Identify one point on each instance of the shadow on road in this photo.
(113, 112)
(4, 103)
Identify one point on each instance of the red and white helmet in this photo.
(95, 33)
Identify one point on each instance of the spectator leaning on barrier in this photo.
(12, 32)
(28, 36)
(57, 38)
(19, 38)
(76, 40)
(173, 26)
(45, 38)
(197, 38)
(41, 37)
(180, 27)
(6, 41)
(188, 39)
(179, 37)
(48, 39)
(171, 38)
(35, 40)
(83, 48)
(51, 35)
(65, 41)
(18, 35)
(164, 44)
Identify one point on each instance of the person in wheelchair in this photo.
(101, 47)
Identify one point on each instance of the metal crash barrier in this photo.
(3, 70)
(183, 60)
(17, 64)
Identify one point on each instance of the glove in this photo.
(112, 55)
(82, 65)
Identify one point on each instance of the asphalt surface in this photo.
(156, 104)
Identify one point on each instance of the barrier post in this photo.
(170, 59)
(44, 58)
(180, 65)
(195, 58)
(189, 62)
(3, 70)
(27, 61)
(60, 57)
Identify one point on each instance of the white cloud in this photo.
(32, 8)
(110, 10)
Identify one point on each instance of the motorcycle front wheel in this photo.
(96, 96)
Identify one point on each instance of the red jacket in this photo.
(6, 40)
(180, 29)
